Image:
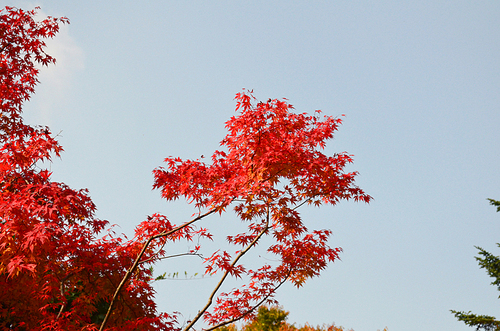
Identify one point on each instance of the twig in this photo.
(174, 255)
(217, 287)
(138, 259)
(251, 309)
(61, 287)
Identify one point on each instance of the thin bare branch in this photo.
(302, 203)
(138, 259)
(226, 273)
(171, 256)
(251, 309)
(61, 288)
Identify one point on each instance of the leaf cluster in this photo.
(484, 322)
(271, 165)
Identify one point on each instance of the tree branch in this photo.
(250, 310)
(217, 287)
(61, 288)
(174, 255)
(138, 259)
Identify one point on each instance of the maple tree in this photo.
(55, 272)
(61, 268)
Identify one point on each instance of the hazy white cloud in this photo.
(56, 81)
(69, 59)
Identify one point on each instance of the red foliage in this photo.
(54, 271)
(58, 271)
(272, 165)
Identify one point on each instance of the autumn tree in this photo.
(55, 272)
(491, 263)
(61, 268)
(271, 166)
(274, 318)
(267, 319)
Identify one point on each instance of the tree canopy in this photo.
(61, 268)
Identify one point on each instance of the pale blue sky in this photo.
(419, 83)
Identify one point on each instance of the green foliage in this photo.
(495, 203)
(274, 319)
(488, 323)
(229, 327)
(175, 275)
(268, 319)
(492, 265)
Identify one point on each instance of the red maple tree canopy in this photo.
(61, 269)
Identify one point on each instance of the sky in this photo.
(418, 82)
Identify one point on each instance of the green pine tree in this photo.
(492, 265)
